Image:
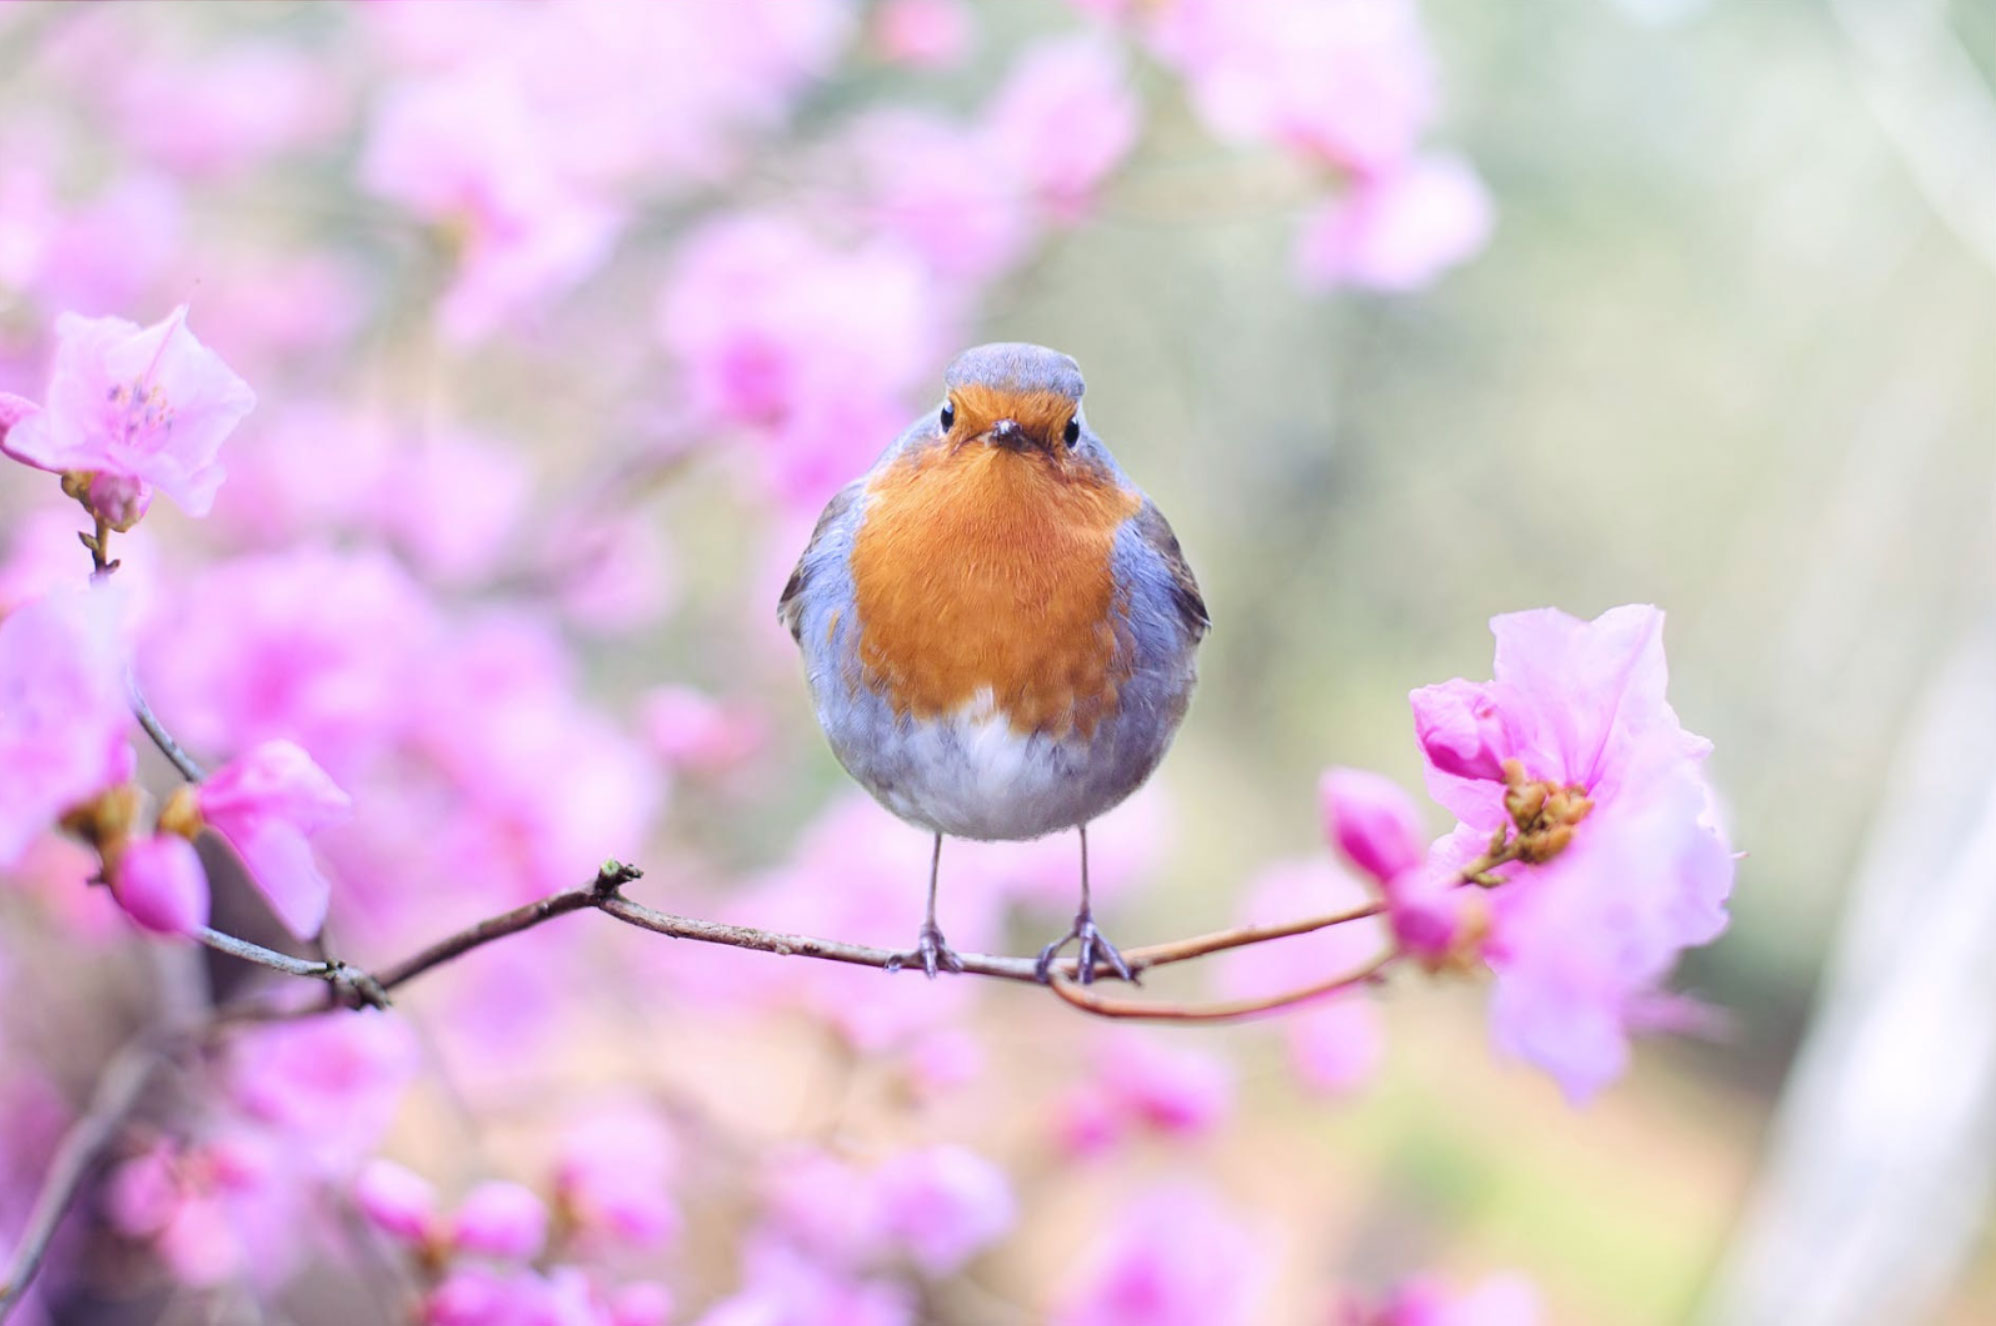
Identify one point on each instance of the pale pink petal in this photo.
(161, 885)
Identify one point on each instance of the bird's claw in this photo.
(1094, 948)
(931, 951)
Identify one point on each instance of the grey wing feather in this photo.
(1155, 531)
(790, 607)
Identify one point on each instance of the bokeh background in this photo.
(1725, 349)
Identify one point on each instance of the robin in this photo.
(998, 626)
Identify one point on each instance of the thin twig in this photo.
(1235, 1010)
(189, 767)
(350, 986)
(76, 1156)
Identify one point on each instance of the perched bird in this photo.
(997, 624)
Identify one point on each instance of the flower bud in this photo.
(161, 885)
(399, 1203)
(1460, 730)
(118, 500)
(1371, 820)
(501, 1220)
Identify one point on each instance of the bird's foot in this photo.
(1094, 948)
(931, 951)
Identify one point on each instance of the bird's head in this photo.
(1022, 398)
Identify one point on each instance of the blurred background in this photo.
(566, 322)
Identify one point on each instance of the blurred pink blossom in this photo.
(1501, 1300)
(1582, 943)
(64, 710)
(967, 225)
(195, 116)
(267, 803)
(161, 885)
(213, 1212)
(329, 1085)
(151, 405)
(782, 1285)
(1371, 821)
(1397, 230)
(1350, 82)
(1142, 1080)
(928, 34)
(1174, 1257)
(691, 730)
(613, 1177)
(1063, 120)
(808, 348)
(116, 249)
(942, 1205)
(397, 1201)
(501, 1220)
(1335, 1044)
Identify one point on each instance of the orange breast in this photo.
(981, 568)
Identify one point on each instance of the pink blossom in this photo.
(267, 803)
(808, 348)
(614, 577)
(63, 710)
(1582, 942)
(1501, 1300)
(1142, 1080)
(161, 885)
(501, 1220)
(642, 1303)
(1397, 230)
(463, 150)
(1174, 1257)
(454, 503)
(1335, 1044)
(691, 730)
(613, 1177)
(967, 226)
(114, 250)
(1371, 821)
(781, 1285)
(330, 1085)
(191, 115)
(945, 1204)
(1063, 120)
(213, 1212)
(151, 405)
(396, 1201)
(1348, 81)
(928, 34)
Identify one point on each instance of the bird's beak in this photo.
(1006, 433)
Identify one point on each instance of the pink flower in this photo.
(1582, 941)
(1501, 1300)
(693, 731)
(808, 348)
(197, 116)
(501, 1220)
(1371, 821)
(1459, 729)
(1398, 230)
(1350, 82)
(1141, 1080)
(1175, 1257)
(943, 1205)
(1335, 1044)
(465, 151)
(396, 1201)
(330, 1085)
(781, 1285)
(613, 1176)
(63, 710)
(267, 803)
(161, 885)
(1063, 120)
(641, 1303)
(928, 34)
(967, 226)
(149, 405)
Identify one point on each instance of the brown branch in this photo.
(76, 1157)
(1235, 1010)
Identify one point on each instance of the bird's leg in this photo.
(930, 949)
(1095, 946)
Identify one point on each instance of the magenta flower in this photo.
(1501, 1300)
(1064, 119)
(63, 711)
(161, 885)
(1588, 924)
(1371, 821)
(267, 803)
(149, 406)
(1398, 230)
(943, 1205)
(1175, 1257)
(501, 1220)
(613, 1176)
(399, 1203)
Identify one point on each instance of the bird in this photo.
(998, 627)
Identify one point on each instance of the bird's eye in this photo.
(949, 416)
(1072, 432)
